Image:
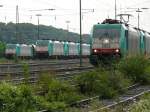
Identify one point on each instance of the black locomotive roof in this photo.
(111, 21)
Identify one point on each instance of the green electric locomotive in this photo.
(113, 39)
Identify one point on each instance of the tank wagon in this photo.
(112, 39)
(73, 49)
(25, 51)
(86, 49)
(58, 48)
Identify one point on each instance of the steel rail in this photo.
(87, 101)
(125, 99)
(60, 73)
(43, 61)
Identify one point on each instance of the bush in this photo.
(25, 99)
(2, 49)
(7, 96)
(13, 99)
(57, 91)
(146, 76)
(88, 82)
(134, 68)
(101, 82)
(61, 92)
(118, 81)
(44, 80)
(22, 99)
(42, 104)
(113, 83)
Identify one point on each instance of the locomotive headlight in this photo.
(106, 41)
(95, 50)
(117, 50)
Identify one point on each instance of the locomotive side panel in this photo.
(142, 43)
(147, 44)
(133, 41)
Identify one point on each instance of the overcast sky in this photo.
(68, 10)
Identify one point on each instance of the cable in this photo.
(136, 4)
(47, 3)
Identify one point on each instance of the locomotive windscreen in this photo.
(106, 38)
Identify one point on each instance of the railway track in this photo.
(4, 68)
(64, 69)
(61, 74)
(37, 61)
(133, 93)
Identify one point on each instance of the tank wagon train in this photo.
(112, 39)
(47, 49)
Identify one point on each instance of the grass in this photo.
(136, 68)
(106, 84)
(141, 106)
(4, 60)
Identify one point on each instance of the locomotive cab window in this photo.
(106, 38)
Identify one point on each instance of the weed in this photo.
(135, 68)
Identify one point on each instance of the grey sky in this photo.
(68, 10)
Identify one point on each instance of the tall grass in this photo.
(26, 73)
(136, 68)
(141, 106)
(106, 84)
(16, 98)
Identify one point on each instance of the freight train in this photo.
(47, 49)
(112, 39)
